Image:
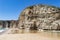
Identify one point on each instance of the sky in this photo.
(11, 9)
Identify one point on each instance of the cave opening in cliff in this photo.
(4, 25)
(33, 26)
(8, 24)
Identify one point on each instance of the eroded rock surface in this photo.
(46, 17)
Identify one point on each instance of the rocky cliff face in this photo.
(8, 23)
(46, 17)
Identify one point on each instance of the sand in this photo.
(29, 36)
(26, 36)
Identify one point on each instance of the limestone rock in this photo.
(45, 17)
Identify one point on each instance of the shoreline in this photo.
(3, 31)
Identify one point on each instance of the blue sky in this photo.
(11, 9)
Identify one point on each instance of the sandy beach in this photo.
(30, 36)
(26, 37)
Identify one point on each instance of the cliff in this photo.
(46, 17)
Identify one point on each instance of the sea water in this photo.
(3, 29)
